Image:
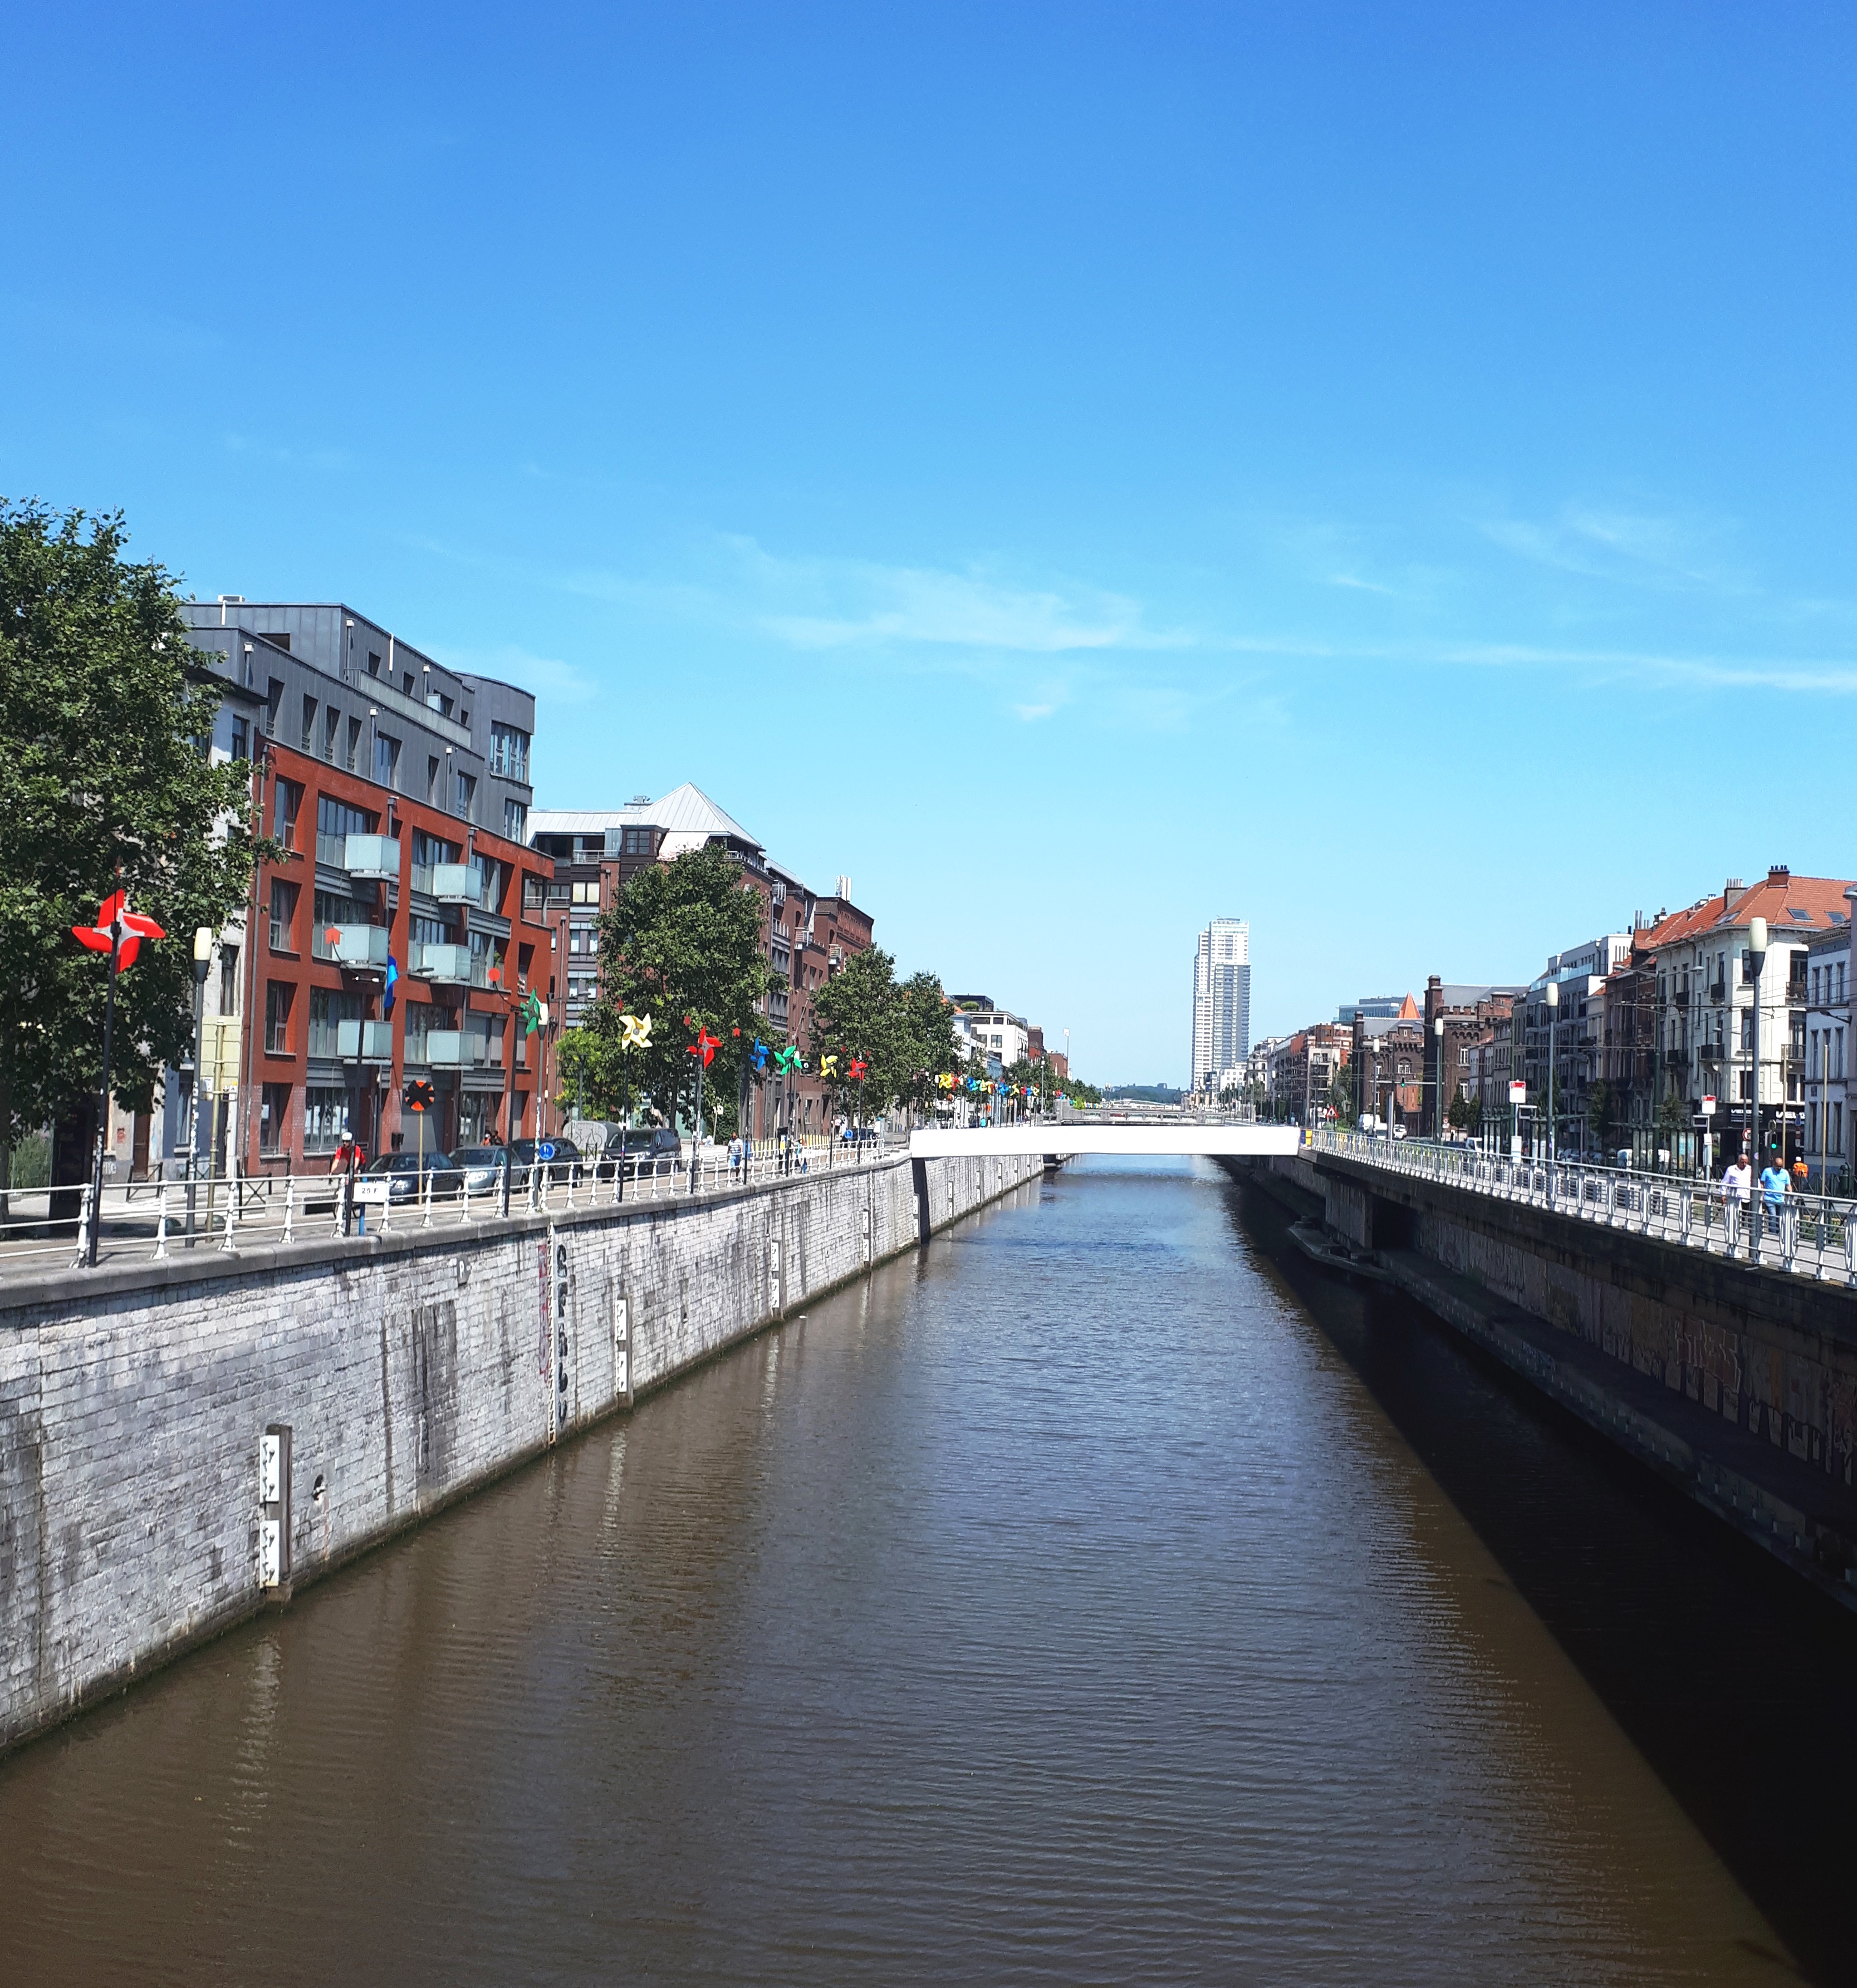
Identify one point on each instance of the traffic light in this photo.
(419, 1096)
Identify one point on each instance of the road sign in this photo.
(418, 1095)
(374, 1193)
(1518, 1093)
(546, 1149)
(1708, 1107)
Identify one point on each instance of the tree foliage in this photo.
(104, 782)
(903, 1030)
(683, 940)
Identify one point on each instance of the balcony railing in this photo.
(450, 965)
(364, 946)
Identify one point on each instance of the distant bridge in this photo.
(1158, 1137)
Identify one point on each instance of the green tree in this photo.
(104, 707)
(903, 1030)
(684, 944)
(1599, 1109)
(1466, 1114)
(1340, 1095)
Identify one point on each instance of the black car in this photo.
(656, 1150)
(403, 1170)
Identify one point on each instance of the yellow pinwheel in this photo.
(634, 1031)
(828, 1066)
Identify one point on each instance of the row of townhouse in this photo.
(1643, 1041)
(415, 888)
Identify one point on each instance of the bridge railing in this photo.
(1810, 1235)
(48, 1229)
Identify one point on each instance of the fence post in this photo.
(290, 1208)
(426, 1184)
(161, 1225)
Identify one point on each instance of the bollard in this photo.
(426, 1221)
(232, 1213)
(290, 1208)
(573, 1170)
(535, 1189)
(161, 1225)
(464, 1200)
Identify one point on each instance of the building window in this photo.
(277, 1017)
(228, 980)
(387, 760)
(432, 780)
(328, 1006)
(466, 793)
(286, 798)
(509, 752)
(516, 821)
(354, 743)
(1837, 1139)
(638, 842)
(335, 822)
(586, 894)
(332, 725)
(309, 731)
(373, 662)
(283, 915)
(273, 1108)
(241, 739)
(325, 1118)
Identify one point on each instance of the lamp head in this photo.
(1756, 939)
(1438, 1027)
(1552, 994)
(203, 951)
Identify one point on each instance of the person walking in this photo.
(1774, 1187)
(1738, 1183)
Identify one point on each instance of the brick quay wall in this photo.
(1735, 1382)
(408, 1369)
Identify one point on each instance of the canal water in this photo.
(1103, 1596)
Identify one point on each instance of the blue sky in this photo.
(1385, 473)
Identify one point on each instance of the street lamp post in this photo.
(1551, 994)
(203, 961)
(1438, 1083)
(1756, 959)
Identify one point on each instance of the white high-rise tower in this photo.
(1222, 998)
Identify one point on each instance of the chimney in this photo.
(844, 888)
(1777, 873)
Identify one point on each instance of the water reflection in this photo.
(1062, 1604)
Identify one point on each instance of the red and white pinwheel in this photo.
(133, 927)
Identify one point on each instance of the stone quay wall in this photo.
(394, 1374)
(1736, 1381)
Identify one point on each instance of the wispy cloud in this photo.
(547, 676)
(287, 457)
(829, 604)
(1640, 548)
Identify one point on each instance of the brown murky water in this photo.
(1074, 1605)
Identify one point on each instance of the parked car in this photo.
(403, 1170)
(655, 1150)
(481, 1167)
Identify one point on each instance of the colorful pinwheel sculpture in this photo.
(705, 1046)
(634, 1031)
(758, 1056)
(858, 1067)
(788, 1060)
(828, 1066)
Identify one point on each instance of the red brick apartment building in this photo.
(370, 876)
(808, 938)
(400, 790)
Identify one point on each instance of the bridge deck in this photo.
(1124, 1140)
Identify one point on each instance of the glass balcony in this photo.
(376, 857)
(454, 1048)
(352, 945)
(370, 1042)
(455, 883)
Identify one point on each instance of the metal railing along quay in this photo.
(48, 1229)
(1810, 1235)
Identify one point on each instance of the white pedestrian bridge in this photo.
(1063, 1140)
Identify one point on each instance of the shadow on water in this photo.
(1736, 1682)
